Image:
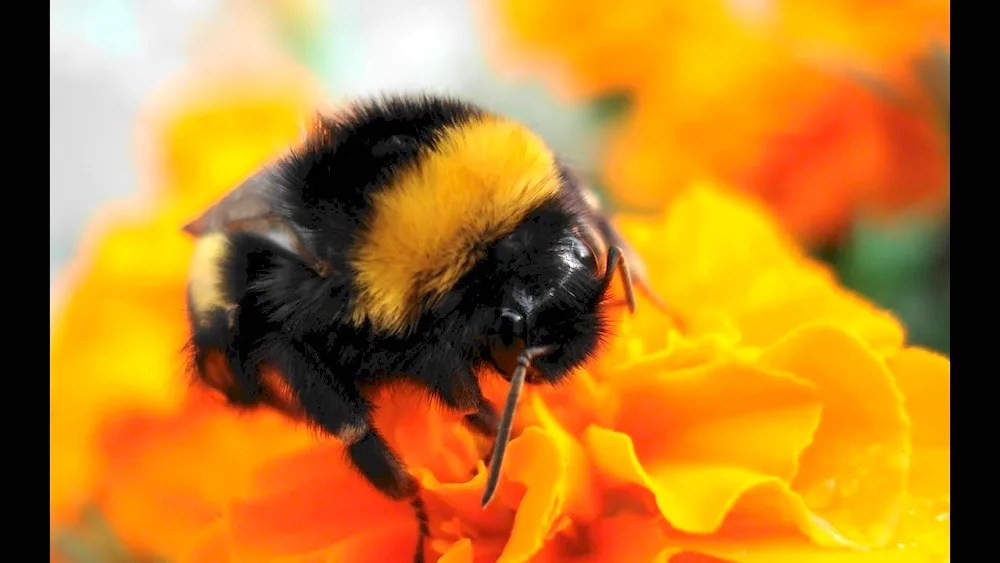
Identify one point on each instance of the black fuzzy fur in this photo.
(293, 318)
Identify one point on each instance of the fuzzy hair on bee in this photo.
(409, 238)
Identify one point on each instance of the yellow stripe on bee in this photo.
(205, 285)
(428, 226)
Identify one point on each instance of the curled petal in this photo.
(854, 472)
(534, 459)
(454, 509)
(715, 252)
(577, 403)
(696, 498)
(424, 434)
(925, 381)
(726, 413)
(582, 498)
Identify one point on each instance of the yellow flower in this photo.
(118, 336)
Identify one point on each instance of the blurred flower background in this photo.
(830, 118)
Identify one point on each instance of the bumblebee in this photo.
(415, 238)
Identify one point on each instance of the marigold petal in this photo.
(164, 478)
(534, 459)
(923, 535)
(395, 541)
(459, 552)
(718, 252)
(131, 275)
(925, 527)
(579, 402)
(212, 545)
(621, 537)
(424, 434)
(454, 508)
(792, 550)
(215, 124)
(854, 472)
(309, 500)
(925, 381)
(726, 412)
(582, 498)
(697, 497)
(772, 509)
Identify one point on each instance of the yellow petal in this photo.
(925, 381)
(793, 550)
(718, 253)
(533, 458)
(582, 498)
(726, 413)
(696, 498)
(459, 552)
(622, 537)
(130, 274)
(854, 472)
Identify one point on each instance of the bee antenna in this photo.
(616, 262)
(503, 432)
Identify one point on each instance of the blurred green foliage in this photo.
(903, 267)
(91, 540)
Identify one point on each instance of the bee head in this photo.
(551, 293)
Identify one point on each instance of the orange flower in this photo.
(791, 423)
(120, 329)
(817, 147)
(769, 101)
(787, 421)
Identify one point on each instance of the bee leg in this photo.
(376, 461)
(340, 410)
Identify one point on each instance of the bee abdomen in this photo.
(206, 287)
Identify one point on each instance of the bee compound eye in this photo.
(583, 253)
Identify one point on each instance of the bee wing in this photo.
(251, 202)
(254, 207)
